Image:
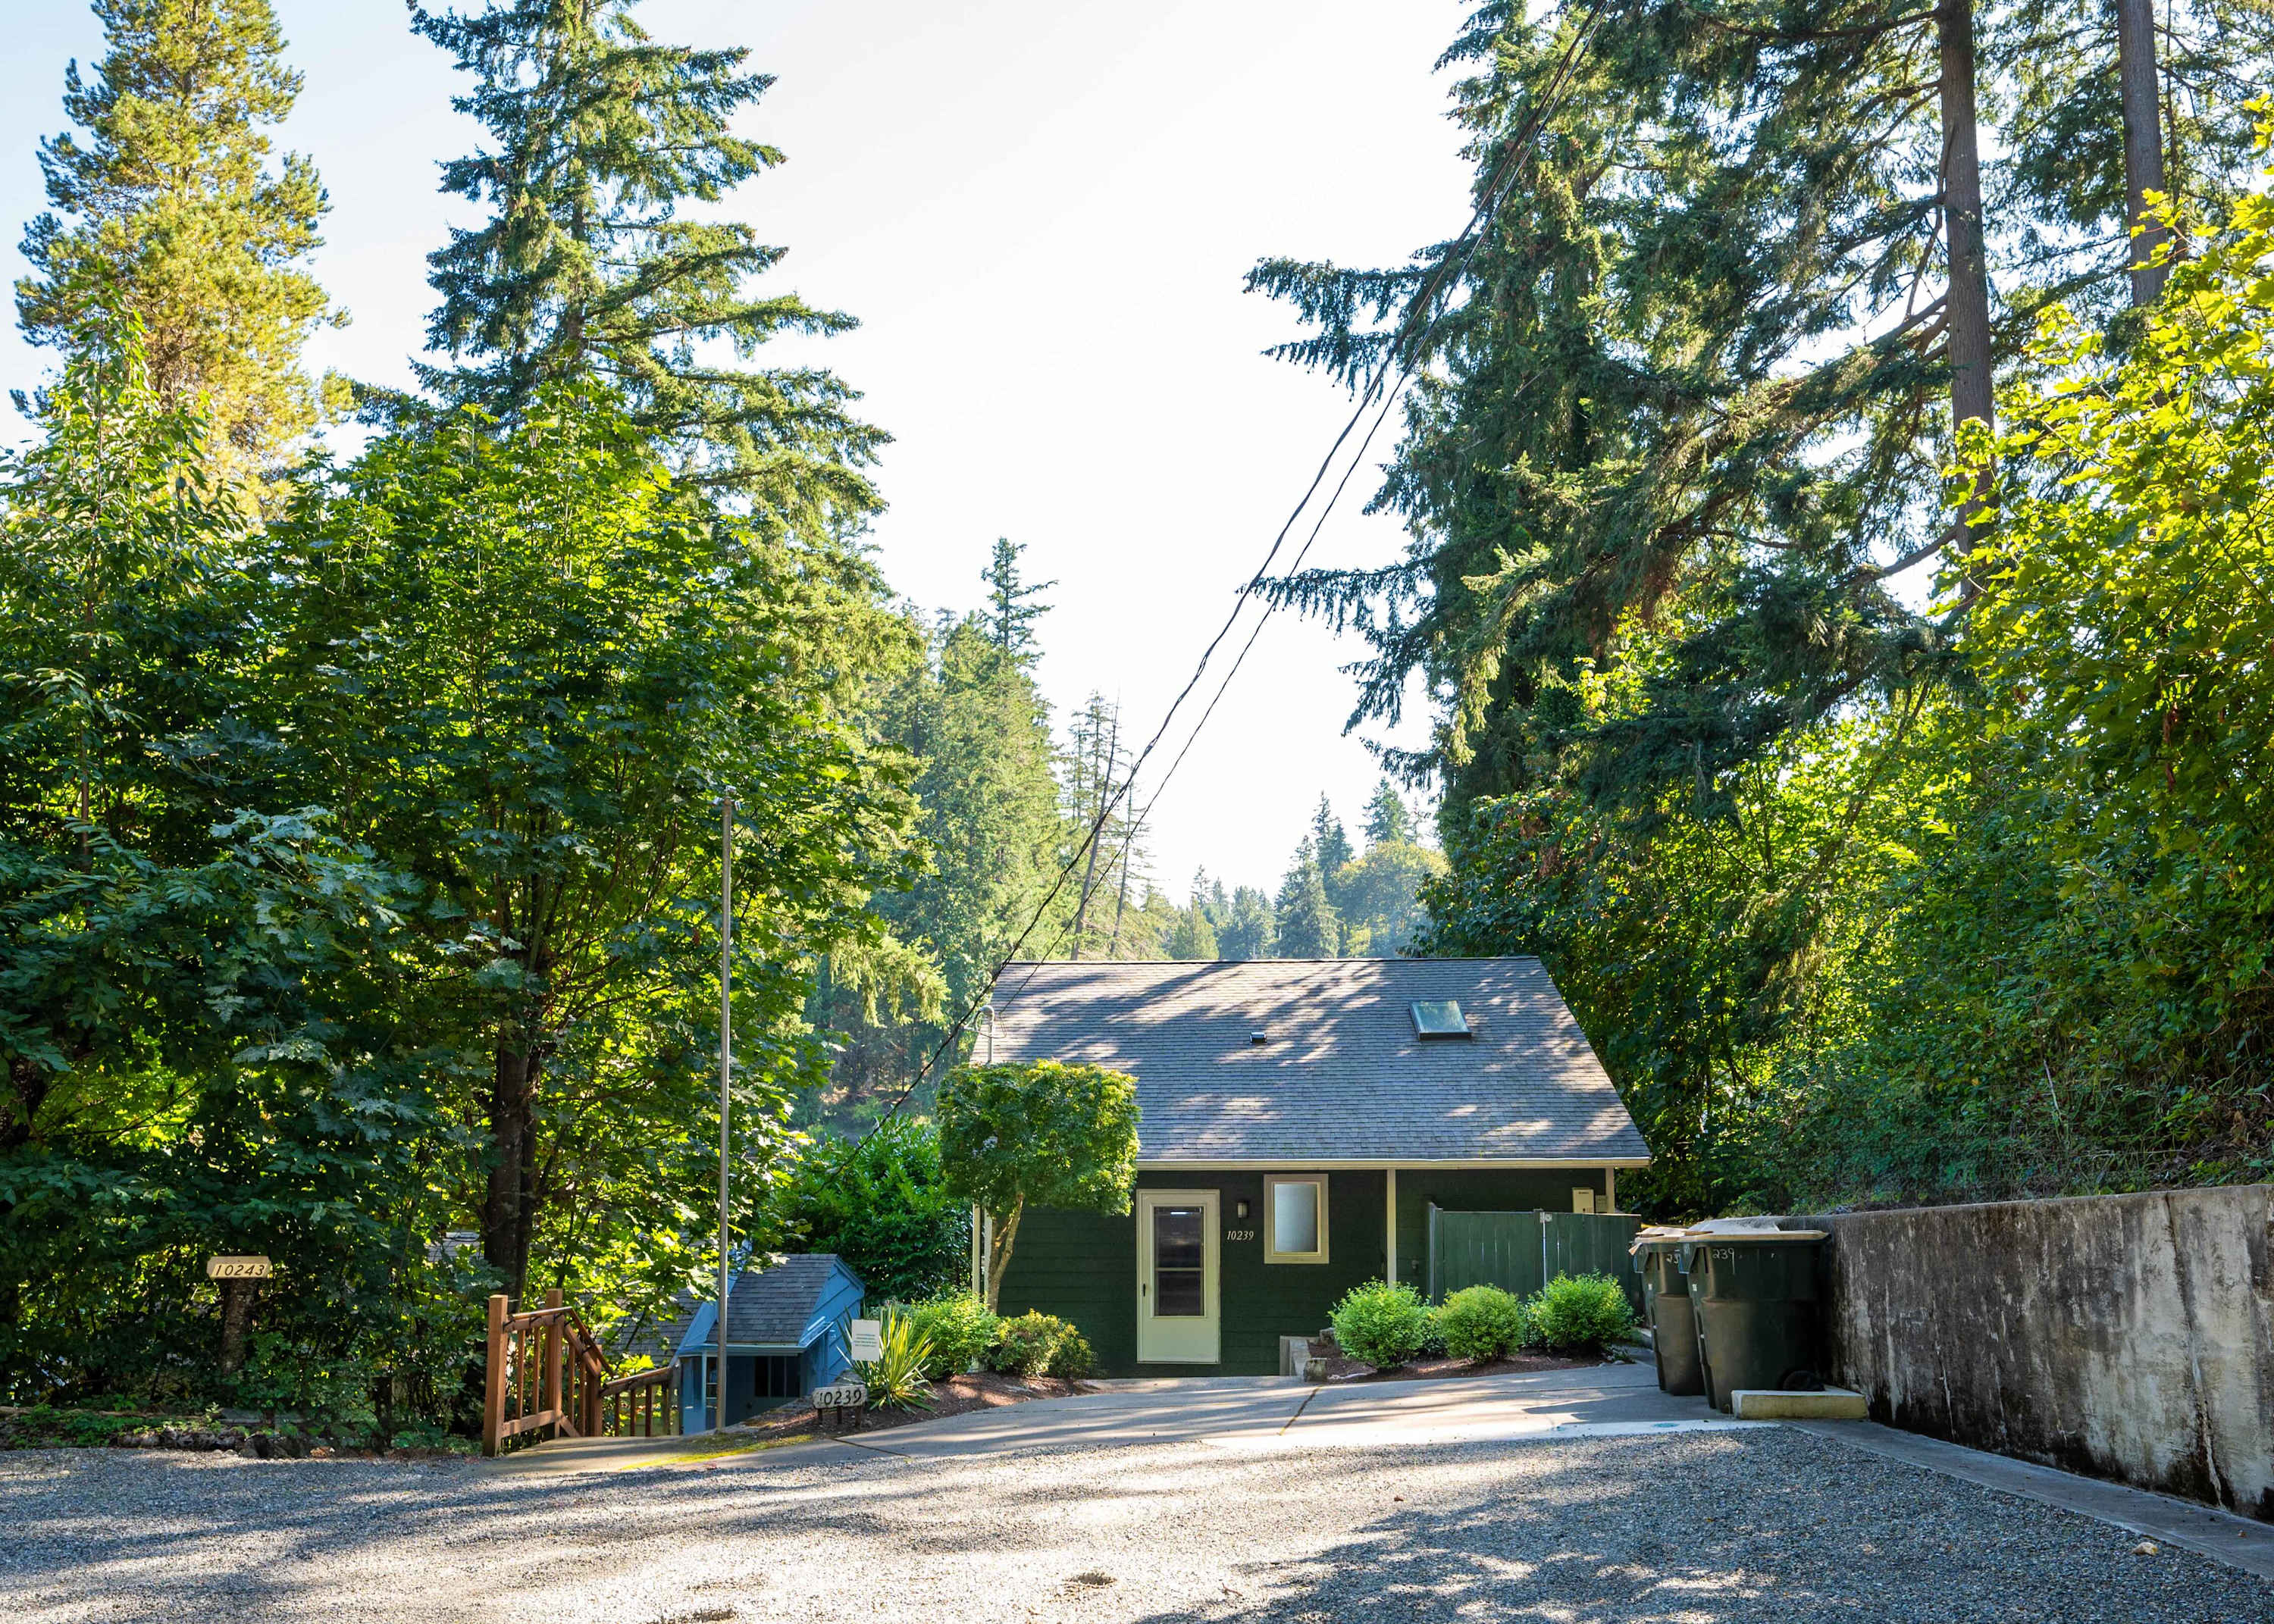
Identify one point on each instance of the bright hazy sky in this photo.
(1040, 211)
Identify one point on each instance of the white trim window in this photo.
(1295, 1218)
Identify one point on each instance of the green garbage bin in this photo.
(1665, 1306)
(1756, 1299)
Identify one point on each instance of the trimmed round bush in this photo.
(1384, 1326)
(1583, 1313)
(1037, 1344)
(1481, 1322)
(960, 1329)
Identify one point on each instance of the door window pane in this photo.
(1179, 1263)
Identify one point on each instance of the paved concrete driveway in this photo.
(1565, 1498)
(1248, 1413)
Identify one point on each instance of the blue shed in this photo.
(789, 1331)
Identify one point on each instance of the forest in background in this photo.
(1836, 468)
(1035, 845)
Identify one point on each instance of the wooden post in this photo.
(549, 1397)
(493, 1396)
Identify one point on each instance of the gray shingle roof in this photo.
(1342, 1077)
(774, 1305)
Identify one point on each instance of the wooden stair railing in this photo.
(547, 1369)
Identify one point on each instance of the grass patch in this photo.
(695, 1456)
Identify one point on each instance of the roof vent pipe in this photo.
(1259, 1037)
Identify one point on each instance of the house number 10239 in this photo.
(1239, 1235)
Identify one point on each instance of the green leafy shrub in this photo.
(1074, 1356)
(1582, 1313)
(1038, 1344)
(1432, 1339)
(1482, 1322)
(959, 1329)
(881, 1203)
(895, 1377)
(1382, 1325)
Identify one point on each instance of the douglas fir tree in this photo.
(585, 268)
(168, 211)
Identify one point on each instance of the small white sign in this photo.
(867, 1339)
(844, 1396)
(237, 1268)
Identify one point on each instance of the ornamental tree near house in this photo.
(1045, 1134)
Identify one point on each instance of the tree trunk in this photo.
(999, 1254)
(27, 1084)
(1967, 306)
(236, 1320)
(2144, 141)
(513, 1170)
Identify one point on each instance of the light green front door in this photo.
(1177, 1286)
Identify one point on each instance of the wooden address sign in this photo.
(237, 1268)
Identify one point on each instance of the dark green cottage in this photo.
(1299, 1117)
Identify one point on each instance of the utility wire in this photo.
(1407, 355)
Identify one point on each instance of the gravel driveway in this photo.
(1690, 1529)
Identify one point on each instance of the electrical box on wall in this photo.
(1583, 1199)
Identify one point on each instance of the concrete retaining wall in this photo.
(2129, 1336)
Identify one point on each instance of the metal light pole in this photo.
(726, 1075)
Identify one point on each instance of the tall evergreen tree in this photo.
(1388, 819)
(1097, 797)
(1307, 926)
(1330, 844)
(978, 730)
(1011, 610)
(1193, 935)
(1680, 414)
(1249, 930)
(586, 266)
(1690, 388)
(170, 212)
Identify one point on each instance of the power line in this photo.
(1471, 237)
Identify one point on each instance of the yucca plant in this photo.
(895, 1378)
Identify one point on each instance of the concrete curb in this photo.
(1772, 1404)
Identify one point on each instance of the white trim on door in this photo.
(1180, 1339)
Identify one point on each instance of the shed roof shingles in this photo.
(774, 1306)
(1343, 1076)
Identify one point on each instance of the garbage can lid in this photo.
(1658, 1235)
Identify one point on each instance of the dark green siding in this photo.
(1082, 1267)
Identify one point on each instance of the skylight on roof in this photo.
(1438, 1018)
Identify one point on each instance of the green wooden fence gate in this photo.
(1523, 1251)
